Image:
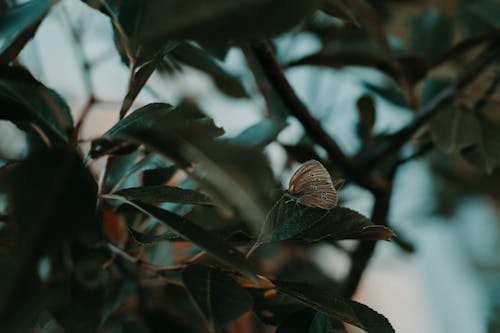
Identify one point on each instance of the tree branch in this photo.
(277, 79)
(363, 253)
(433, 106)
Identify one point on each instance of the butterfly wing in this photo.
(313, 186)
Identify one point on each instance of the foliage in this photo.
(77, 254)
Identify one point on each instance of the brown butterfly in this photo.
(312, 186)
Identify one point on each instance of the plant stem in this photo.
(313, 128)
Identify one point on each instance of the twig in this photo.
(363, 253)
(433, 106)
(277, 79)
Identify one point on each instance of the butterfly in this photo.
(312, 186)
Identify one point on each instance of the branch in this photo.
(433, 106)
(277, 79)
(363, 253)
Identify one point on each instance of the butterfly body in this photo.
(312, 186)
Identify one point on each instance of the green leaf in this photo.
(348, 311)
(238, 179)
(310, 321)
(24, 100)
(290, 220)
(366, 114)
(455, 128)
(431, 34)
(485, 155)
(146, 239)
(200, 237)
(161, 193)
(137, 82)
(158, 176)
(51, 201)
(390, 92)
(218, 20)
(158, 125)
(260, 134)
(344, 223)
(196, 57)
(487, 10)
(217, 295)
(18, 24)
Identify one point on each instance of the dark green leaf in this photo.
(18, 25)
(157, 125)
(454, 128)
(217, 295)
(24, 100)
(348, 311)
(390, 92)
(260, 134)
(289, 220)
(204, 239)
(158, 176)
(487, 10)
(198, 58)
(145, 239)
(431, 34)
(366, 114)
(51, 200)
(486, 154)
(217, 20)
(344, 223)
(161, 193)
(310, 321)
(137, 82)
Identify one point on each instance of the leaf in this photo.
(146, 239)
(431, 34)
(366, 114)
(260, 134)
(159, 175)
(454, 128)
(390, 92)
(341, 59)
(161, 193)
(25, 100)
(201, 238)
(137, 82)
(485, 155)
(487, 10)
(348, 311)
(238, 179)
(219, 20)
(290, 220)
(158, 125)
(198, 58)
(287, 219)
(344, 223)
(217, 295)
(310, 321)
(41, 194)
(18, 24)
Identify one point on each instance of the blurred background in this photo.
(445, 210)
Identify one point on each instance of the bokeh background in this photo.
(449, 283)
